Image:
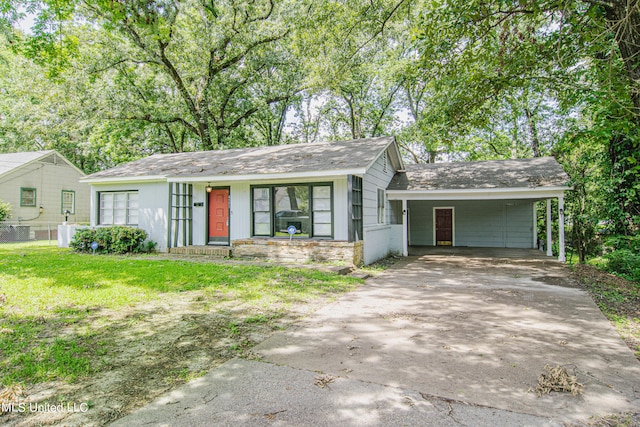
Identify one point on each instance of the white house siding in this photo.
(199, 214)
(240, 207)
(478, 223)
(240, 211)
(381, 241)
(376, 236)
(49, 180)
(340, 219)
(153, 201)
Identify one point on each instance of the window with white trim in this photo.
(68, 202)
(118, 208)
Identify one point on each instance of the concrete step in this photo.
(212, 251)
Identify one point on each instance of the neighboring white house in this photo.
(41, 186)
(322, 201)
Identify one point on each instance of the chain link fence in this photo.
(24, 231)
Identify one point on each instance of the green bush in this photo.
(625, 263)
(5, 211)
(630, 243)
(114, 240)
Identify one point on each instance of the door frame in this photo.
(206, 228)
(453, 223)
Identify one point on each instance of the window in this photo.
(261, 212)
(28, 197)
(356, 208)
(68, 202)
(306, 207)
(381, 219)
(291, 205)
(119, 208)
(322, 211)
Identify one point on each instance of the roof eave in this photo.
(124, 179)
(267, 176)
(480, 193)
(223, 178)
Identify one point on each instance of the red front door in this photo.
(219, 216)
(444, 227)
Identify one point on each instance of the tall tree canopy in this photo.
(110, 81)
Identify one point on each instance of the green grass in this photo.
(48, 289)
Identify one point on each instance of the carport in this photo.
(480, 204)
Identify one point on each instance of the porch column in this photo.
(549, 240)
(405, 229)
(561, 250)
(535, 225)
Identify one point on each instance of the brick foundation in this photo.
(299, 250)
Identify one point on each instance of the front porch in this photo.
(300, 250)
(282, 250)
(213, 251)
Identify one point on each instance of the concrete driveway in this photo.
(449, 337)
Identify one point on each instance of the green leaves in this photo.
(5, 211)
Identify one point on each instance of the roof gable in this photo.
(355, 155)
(493, 174)
(11, 161)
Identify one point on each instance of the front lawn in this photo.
(116, 331)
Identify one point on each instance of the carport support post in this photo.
(405, 231)
(561, 255)
(535, 225)
(549, 242)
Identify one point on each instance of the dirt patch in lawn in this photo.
(140, 352)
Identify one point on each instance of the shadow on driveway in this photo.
(445, 338)
(474, 328)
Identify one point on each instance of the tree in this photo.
(189, 69)
(509, 59)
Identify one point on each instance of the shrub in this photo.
(625, 263)
(5, 211)
(631, 243)
(115, 240)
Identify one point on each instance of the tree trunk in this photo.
(533, 130)
(623, 17)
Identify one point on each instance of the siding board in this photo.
(482, 223)
(376, 177)
(49, 180)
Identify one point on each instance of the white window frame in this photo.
(72, 209)
(128, 209)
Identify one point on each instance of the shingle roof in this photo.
(10, 161)
(520, 173)
(343, 155)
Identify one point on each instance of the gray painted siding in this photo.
(375, 178)
(377, 241)
(499, 223)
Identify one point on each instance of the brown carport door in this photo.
(444, 227)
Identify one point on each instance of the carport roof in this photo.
(536, 173)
